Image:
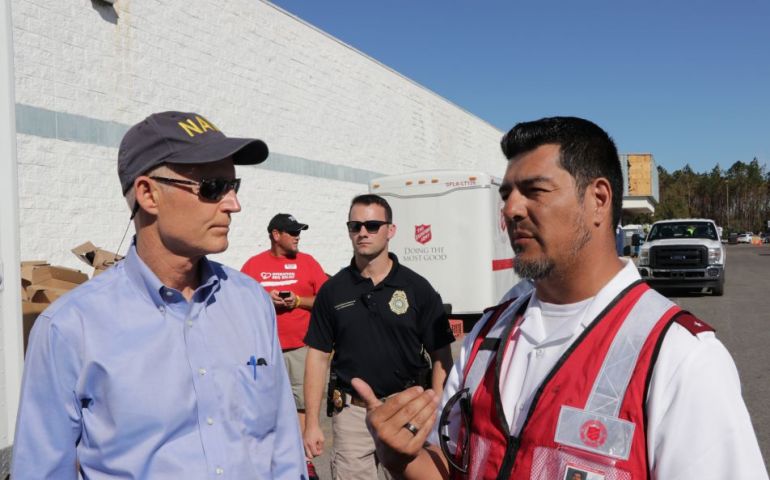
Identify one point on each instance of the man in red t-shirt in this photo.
(292, 279)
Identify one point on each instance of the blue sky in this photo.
(686, 81)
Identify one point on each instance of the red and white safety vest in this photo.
(588, 415)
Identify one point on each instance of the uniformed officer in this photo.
(379, 317)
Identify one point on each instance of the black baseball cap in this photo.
(283, 222)
(180, 138)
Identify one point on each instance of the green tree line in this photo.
(738, 198)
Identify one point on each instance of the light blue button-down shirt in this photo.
(135, 382)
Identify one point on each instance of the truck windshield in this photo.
(683, 230)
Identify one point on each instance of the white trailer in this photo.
(450, 230)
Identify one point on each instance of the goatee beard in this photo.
(541, 268)
(533, 269)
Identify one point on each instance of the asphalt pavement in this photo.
(742, 320)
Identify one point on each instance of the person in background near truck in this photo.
(379, 317)
(582, 366)
(167, 365)
(292, 279)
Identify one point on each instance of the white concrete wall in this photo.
(332, 116)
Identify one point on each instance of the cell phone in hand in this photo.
(284, 294)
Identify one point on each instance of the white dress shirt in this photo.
(698, 425)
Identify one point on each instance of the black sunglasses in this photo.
(371, 226)
(212, 189)
(293, 233)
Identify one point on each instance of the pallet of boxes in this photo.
(42, 283)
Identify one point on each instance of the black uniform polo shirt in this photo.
(377, 331)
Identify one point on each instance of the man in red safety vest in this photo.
(582, 369)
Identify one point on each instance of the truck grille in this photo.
(691, 256)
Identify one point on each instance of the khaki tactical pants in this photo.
(353, 457)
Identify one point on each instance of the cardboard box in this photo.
(26, 271)
(59, 277)
(96, 257)
(38, 275)
(46, 294)
(29, 312)
(41, 285)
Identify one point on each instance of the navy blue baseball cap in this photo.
(180, 138)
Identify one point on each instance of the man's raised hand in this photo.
(400, 425)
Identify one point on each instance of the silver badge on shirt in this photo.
(398, 303)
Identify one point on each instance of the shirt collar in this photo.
(392, 279)
(146, 280)
(540, 332)
(625, 277)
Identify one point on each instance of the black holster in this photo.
(330, 394)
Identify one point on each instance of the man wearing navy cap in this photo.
(167, 365)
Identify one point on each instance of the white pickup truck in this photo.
(684, 253)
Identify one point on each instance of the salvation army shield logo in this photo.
(422, 234)
(593, 433)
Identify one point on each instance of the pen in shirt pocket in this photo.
(254, 362)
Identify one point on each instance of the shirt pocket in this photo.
(254, 398)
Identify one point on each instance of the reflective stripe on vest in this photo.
(609, 389)
(481, 356)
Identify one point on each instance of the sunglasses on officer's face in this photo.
(212, 189)
(371, 226)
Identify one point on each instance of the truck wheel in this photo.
(719, 290)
